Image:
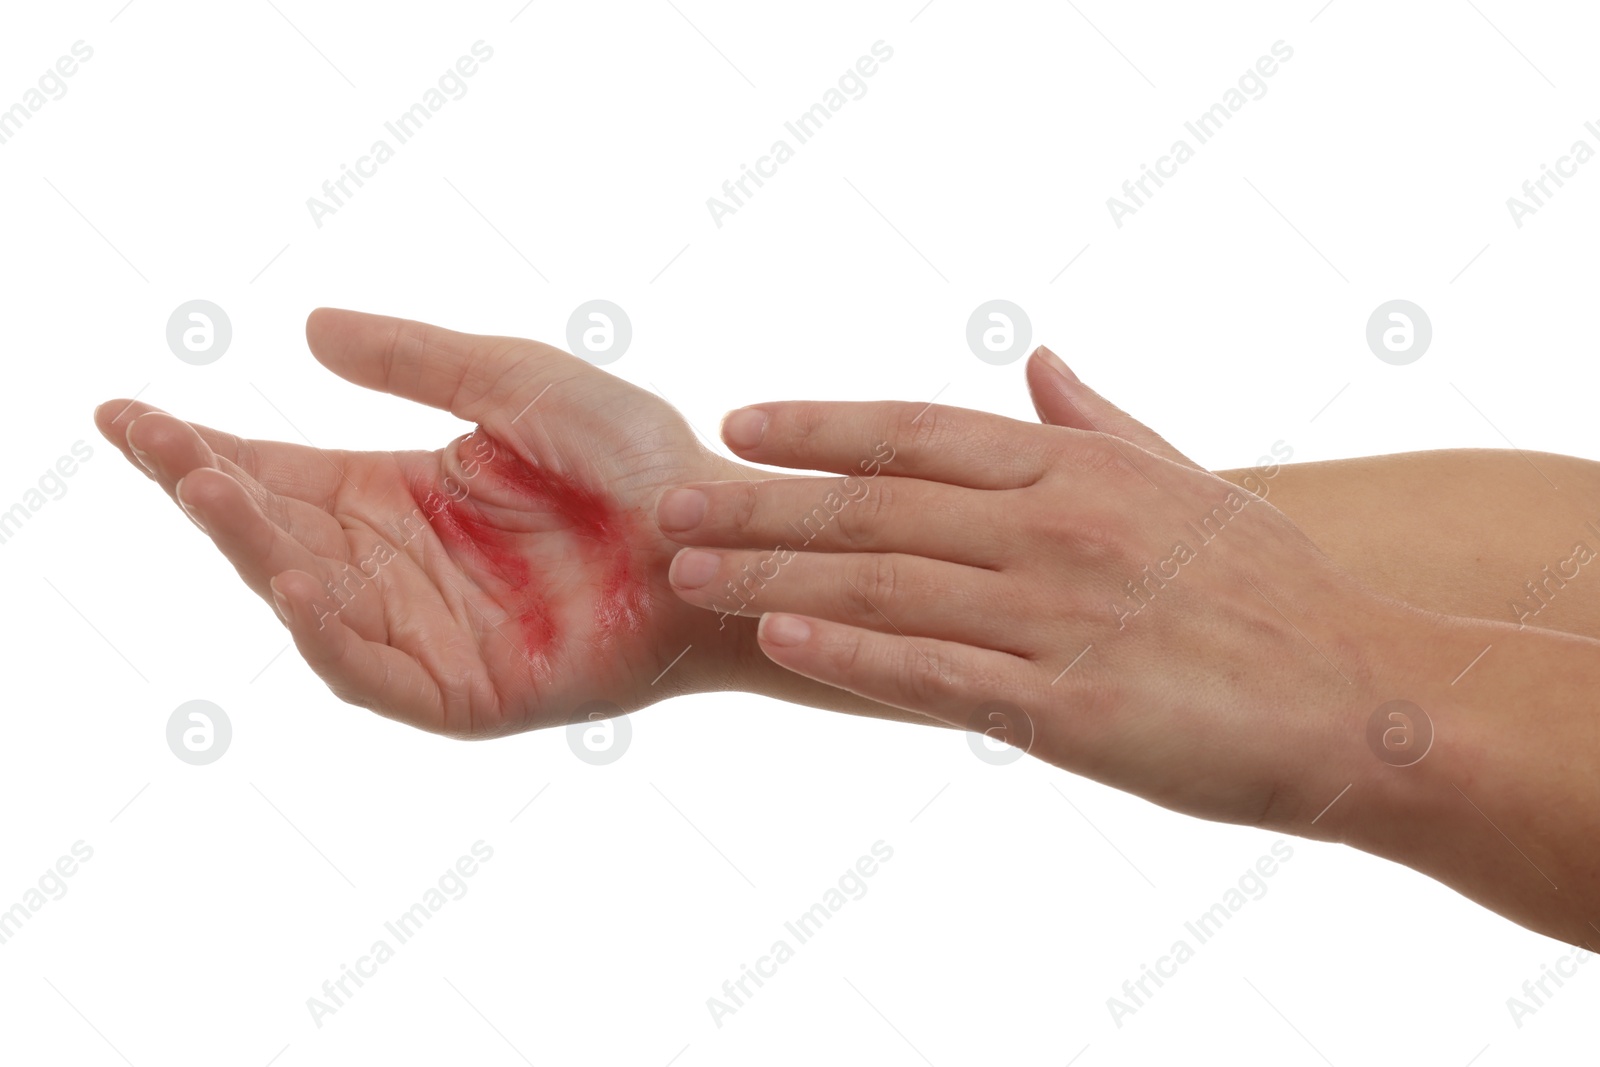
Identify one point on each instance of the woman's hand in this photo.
(1088, 594)
(494, 585)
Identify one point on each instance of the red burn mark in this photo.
(494, 552)
(464, 528)
(585, 511)
(608, 567)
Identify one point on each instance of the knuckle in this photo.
(1090, 536)
(738, 512)
(408, 343)
(876, 580)
(859, 522)
(925, 429)
(1097, 538)
(851, 656)
(803, 422)
(925, 675)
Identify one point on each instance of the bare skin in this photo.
(436, 637)
(1457, 531)
(1251, 679)
(1461, 531)
(1420, 543)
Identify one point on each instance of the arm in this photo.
(1463, 535)
(1477, 533)
(1140, 621)
(1473, 532)
(1505, 805)
(510, 580)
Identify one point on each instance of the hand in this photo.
(487, 587)
(1152, 625)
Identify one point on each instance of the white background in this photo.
(1227, 314)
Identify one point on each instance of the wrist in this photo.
(726, 655)
(1471, 780)
(1354, 736)
(1400, 739)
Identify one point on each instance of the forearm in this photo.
(1478, 533)
(1490, 549)
(1504, 804)
(1246, 678)
(1483, 533)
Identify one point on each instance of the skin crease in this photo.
(1243, 689)
(507, 609)
(603, 535)
(1489, 520)
(418, 636)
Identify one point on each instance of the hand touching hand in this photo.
(1152, 625)
(490, 586)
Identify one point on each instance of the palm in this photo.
(496, 584)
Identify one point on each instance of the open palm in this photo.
(497, 584)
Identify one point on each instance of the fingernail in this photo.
(783, 631)
(693, 568)
(177, 491)
(744, 428)
(138, 453)
(1054, 361)
(681, 509)
(279, 604)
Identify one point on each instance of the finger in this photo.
(943, 679)
(257, 547)
(944, 444)
(168, 449)
(360, 672)
(1062, 400)
(882, 514)
(469, 375)
(885, 591)
(297, 471)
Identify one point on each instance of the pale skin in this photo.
(427, 641)
(980, 561)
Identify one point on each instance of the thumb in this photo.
(469, 375)
(1062, 400)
